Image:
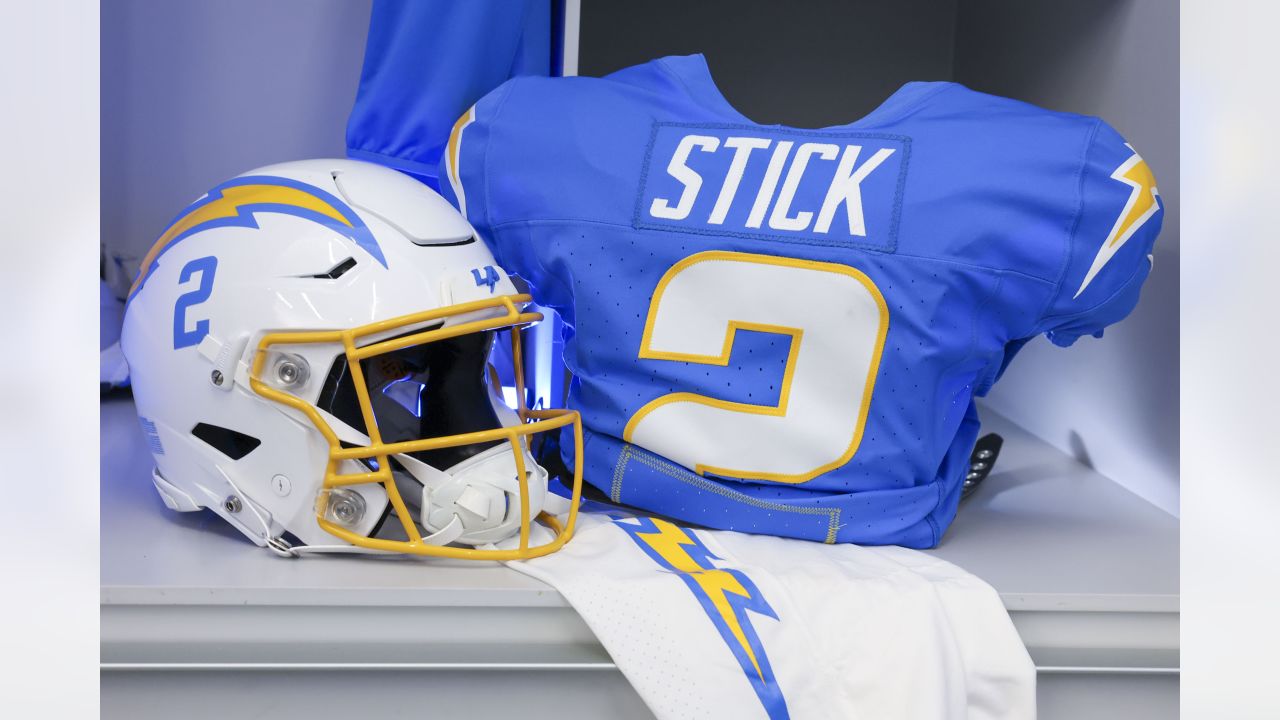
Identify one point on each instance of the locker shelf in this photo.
(1088, 571)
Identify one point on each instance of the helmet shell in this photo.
(298, 246)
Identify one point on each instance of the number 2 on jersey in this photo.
(836, 319)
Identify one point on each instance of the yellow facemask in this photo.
(532, 423)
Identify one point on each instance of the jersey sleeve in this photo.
(461, 167)
(1109, 251)
(467, 181)
(464, 167)
(427, 60)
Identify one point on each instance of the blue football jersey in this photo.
(781, 330)
(426, 61)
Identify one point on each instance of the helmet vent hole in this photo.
(234, 445)
(336, 271)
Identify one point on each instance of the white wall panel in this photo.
(1111, 403)
(195, 92)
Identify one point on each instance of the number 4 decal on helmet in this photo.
(487, 276)
(182, 337)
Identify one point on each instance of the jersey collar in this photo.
(694, 76)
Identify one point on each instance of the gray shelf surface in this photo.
(1088, 571)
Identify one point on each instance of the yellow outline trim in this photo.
(453, 157)
(796, 334)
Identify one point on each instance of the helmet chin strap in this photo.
(477, 501)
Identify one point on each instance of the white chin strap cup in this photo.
(477, 501)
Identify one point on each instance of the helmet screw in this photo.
(291, 370)
(216, 377)
(287, 372)
(344, 511)
(232, 504)
(346, 507)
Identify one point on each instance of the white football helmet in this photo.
(309, 348)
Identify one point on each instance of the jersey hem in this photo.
(630, 452)
(927, 530)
